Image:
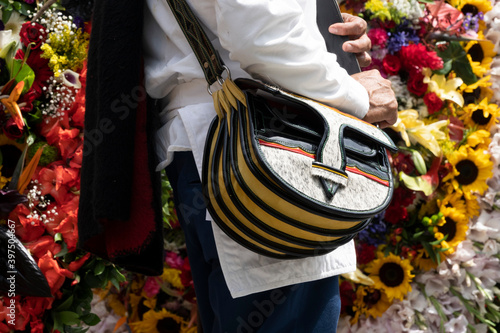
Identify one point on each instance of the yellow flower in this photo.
(3, 180)
(480, 54)
(454, 200)
(66, 49)
(482, 115)
(172, 276)
(423, 261)
(445, 89)
(471, 170)
(454, 228)
(472, 6)
(379, 9)
(414, 130)
(477, 91)
(157, 322)
(371, 302)
(479, 139)
(392, 275)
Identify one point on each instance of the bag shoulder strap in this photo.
(209, 59)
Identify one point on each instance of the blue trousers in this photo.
(311, 307)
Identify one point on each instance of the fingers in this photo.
(364, 59)
(353, 26)
(359, 45)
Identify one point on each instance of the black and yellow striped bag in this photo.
(283, 175)
(288, 177)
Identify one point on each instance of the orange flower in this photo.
(27, 229)
(11, 104)
(43, 244)
(75, 265)
(54, 274)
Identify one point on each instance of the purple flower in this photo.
(374, 234)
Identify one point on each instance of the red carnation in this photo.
(347, 295)
(32, 32)
(391, 64)
(396, 214)
(378, 37)
(417, 56)
(433, 102)
(365, 253)
(416, 83)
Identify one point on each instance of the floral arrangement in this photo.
(431, 261)
(42, 79)
(165, 303)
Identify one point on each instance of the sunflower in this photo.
(392, 275)
(370, 302)
(482, 115)
(477, 91)
(471, 169)
(452, 229)
(454, 200)
(479, 139)
(157, 321)
(480, 54)
(423, 261)
(472, 6)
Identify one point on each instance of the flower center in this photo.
(472, 97)
(468, 172)
(449, 228)
(391, 274)
(372, 298)
(470, 9)
(479, 118)
(167, 325)
(476, 53)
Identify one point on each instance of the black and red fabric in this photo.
(120, 216)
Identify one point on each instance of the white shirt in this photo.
(276, 41)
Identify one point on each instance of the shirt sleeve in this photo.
(278, 42)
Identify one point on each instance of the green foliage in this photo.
(455, 58)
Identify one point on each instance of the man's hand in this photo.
(383, 109)
(360, 44)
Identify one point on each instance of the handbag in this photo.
(283, 175)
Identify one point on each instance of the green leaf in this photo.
(416, 183)
(99, 268)
(63, 251)
(24, 8)
(66, 304)
(91, 319)
(23, 72)
(418, 234)
(6, 12)
(69, 318)
(460, 63)
(446, 68)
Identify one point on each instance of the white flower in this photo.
(490, 247)
(71, 79)
(14, 24)
(434, 284)
(464, 252)
(486, 226)
(417, 299)
(456, 325)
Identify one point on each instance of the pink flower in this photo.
(173, 260)
(151, 287)
(378, 36)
